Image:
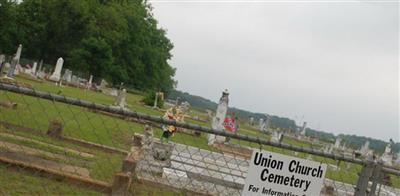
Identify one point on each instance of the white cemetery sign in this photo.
(57, 71)
(219, 118)
(275, 174)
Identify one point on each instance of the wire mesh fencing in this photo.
(51, 144)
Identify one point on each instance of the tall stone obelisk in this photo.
(219, 118)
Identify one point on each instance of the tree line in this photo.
(353, 141)
(117, 40)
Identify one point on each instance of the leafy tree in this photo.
(114, 39)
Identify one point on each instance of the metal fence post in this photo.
(363, 179)
(376, 178)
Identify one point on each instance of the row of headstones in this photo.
(15, 68)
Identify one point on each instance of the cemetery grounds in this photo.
(23, 138)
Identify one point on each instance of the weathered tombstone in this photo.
(40, 66)
(387, 156)
(365, 149)
(148, 135)
(14, 62)
(74, 80)
(260, 124)
(33, 69)
(55, 128)
(89, 85)
(276, 137)
(67, 75)
(162, 151)
(219, 118)
(41, 74)
(337, 142)
(2, 62)
(114, 92)
(121, 99)
(303, 129)
(251, 121)
(103, 84)
(185, 106)
(57, 71)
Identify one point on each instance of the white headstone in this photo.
(219, 118)
(251, 121)
(75, 80)
(121, 99)
(337, 143)
(90, 80)
(57, 71)
(2, 60)
(67, 75)
(33, 70)
(18, 54)
(303, 129)
(15, 62)
(365, 149)
(276, 137)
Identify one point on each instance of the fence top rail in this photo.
(157, 119)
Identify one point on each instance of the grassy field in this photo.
(115, 132)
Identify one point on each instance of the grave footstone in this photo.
(57, 71)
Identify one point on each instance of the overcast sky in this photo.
(332, 64)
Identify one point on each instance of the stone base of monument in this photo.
(157, 156)
(54, 78)
(234, 149)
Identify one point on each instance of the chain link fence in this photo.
(53, 144)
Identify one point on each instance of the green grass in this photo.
(21, 183)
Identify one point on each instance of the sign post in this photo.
(280, 175)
